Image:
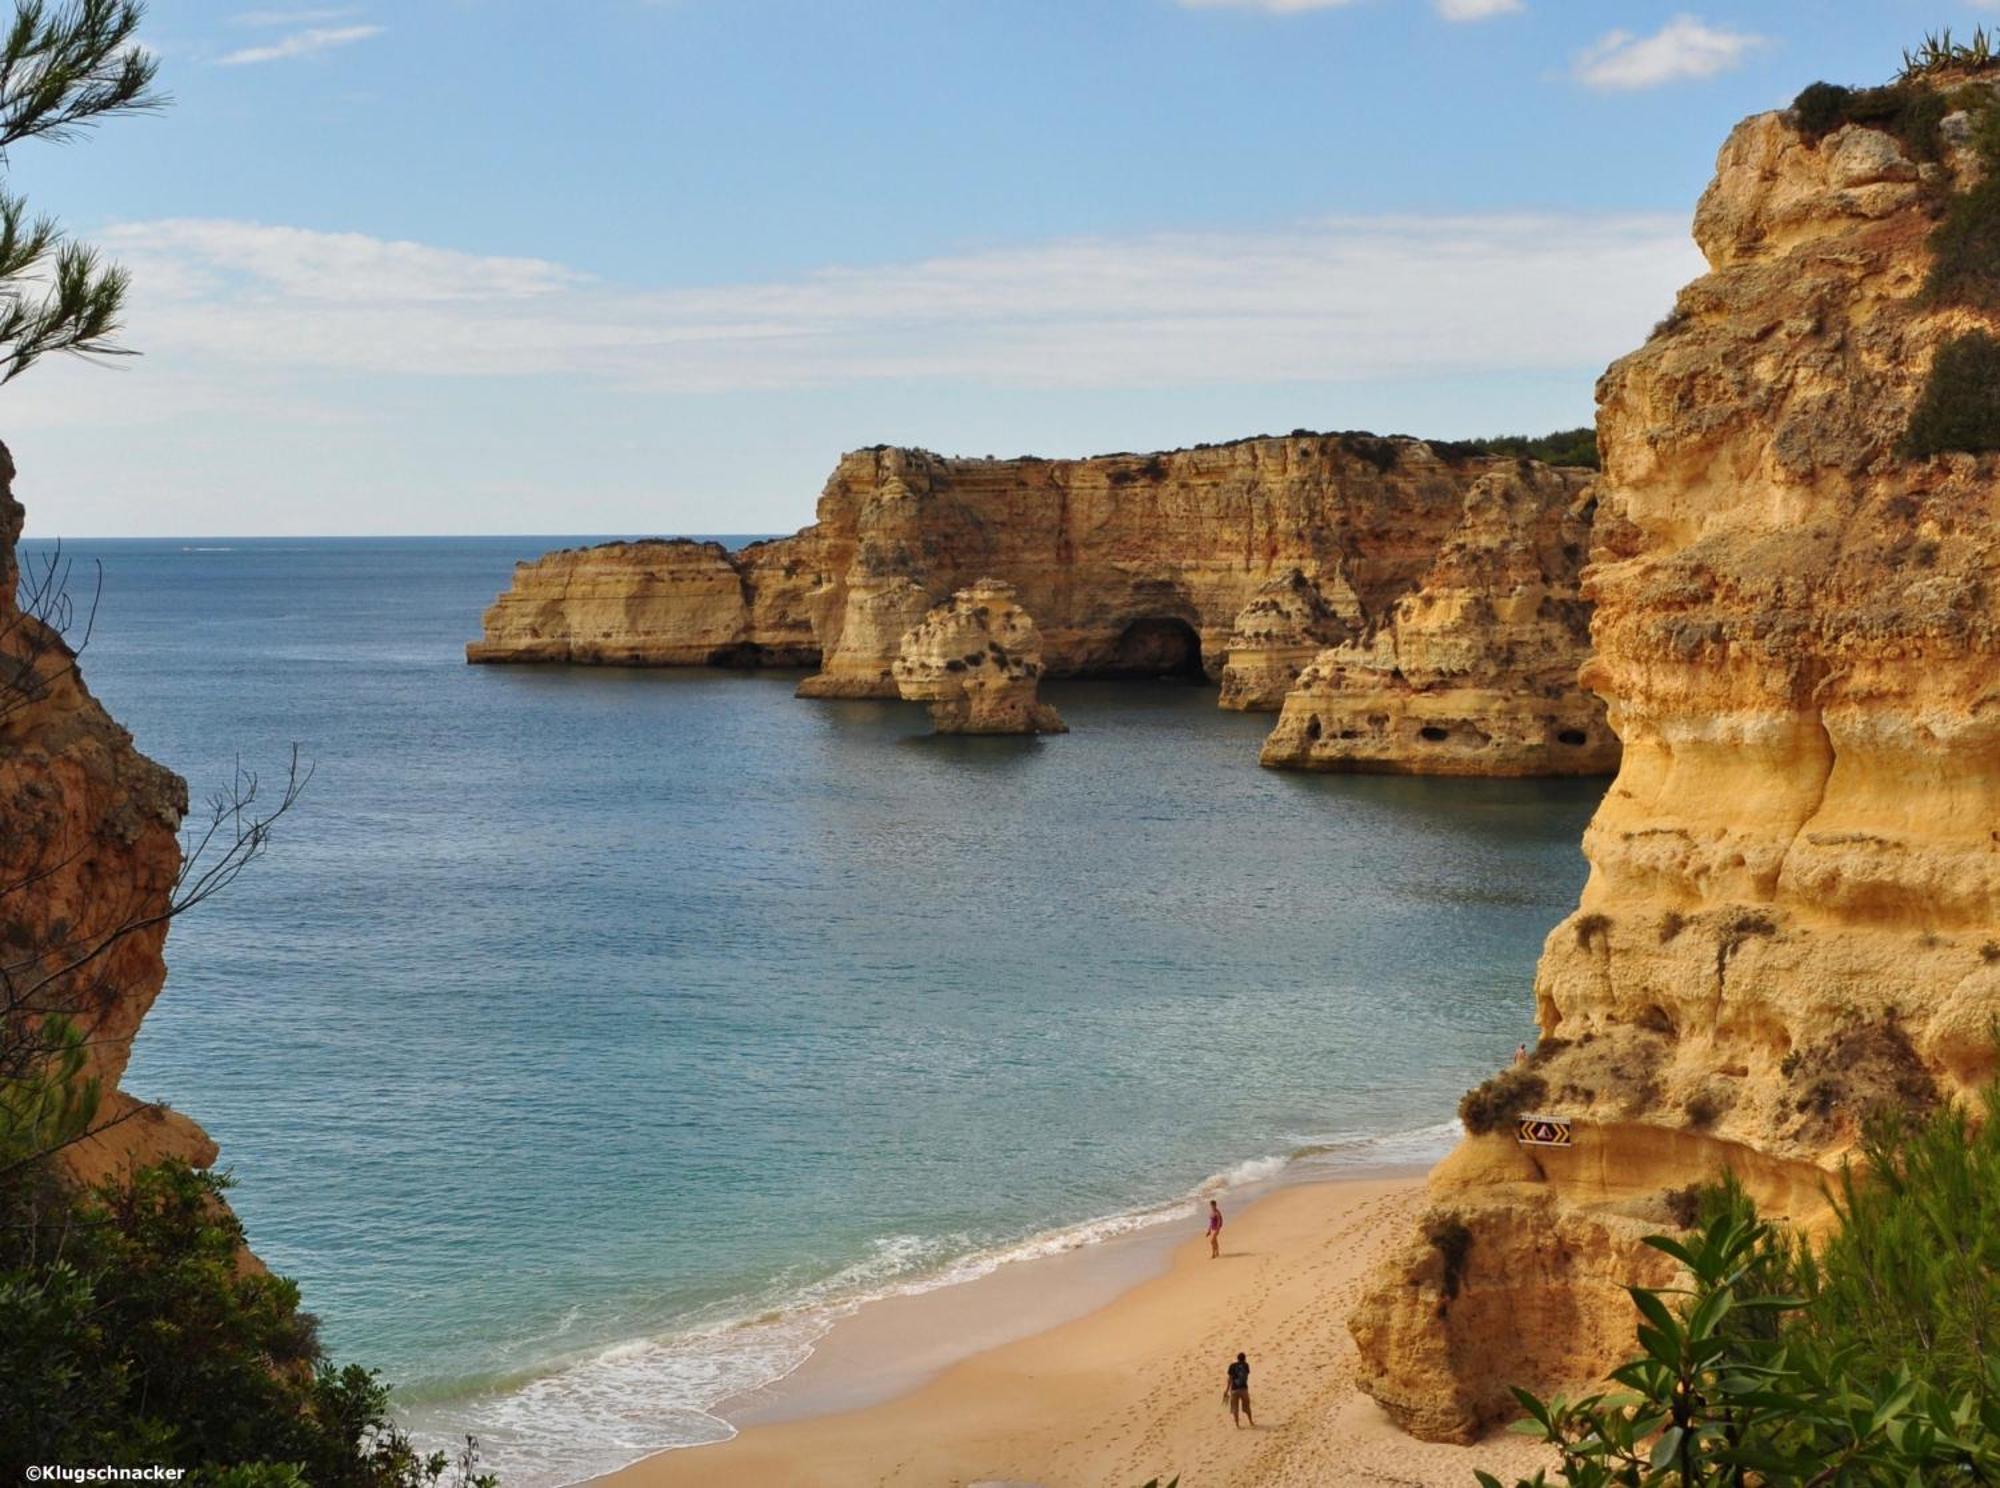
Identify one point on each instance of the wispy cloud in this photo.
(1478, 10)
(1272, 7)
(1341, 299)
(300, 44)
(1685, 47)
(292, 17)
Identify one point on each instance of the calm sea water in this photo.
(578, 1016)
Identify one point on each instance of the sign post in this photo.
(1543, 1131)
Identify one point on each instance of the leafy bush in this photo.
(1501, 1100)
(1564, 447)
(1867, 1364)
(131, 1334)
(1960, 406)
(1910, 111)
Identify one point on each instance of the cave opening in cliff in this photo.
(1158, 646)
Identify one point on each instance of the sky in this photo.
(649, 266)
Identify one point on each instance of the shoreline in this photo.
(1092, 1367)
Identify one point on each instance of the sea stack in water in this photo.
(1794, 901)
(1475, 672)
(1233, 562)
(977, 660)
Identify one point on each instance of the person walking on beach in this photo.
(1237, 1392)
(1214, 1229)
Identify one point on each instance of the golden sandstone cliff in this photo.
(1475, 671)
(89, 857)
(977, 660)
(1238, 562)
(1793, 910)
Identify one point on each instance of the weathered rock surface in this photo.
(89, 854)
(658, 603)
(1793, 910)
(1475, 672)
(1288, 622)
(977, 660)
(1239, 562)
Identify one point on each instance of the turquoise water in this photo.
(578, 1016)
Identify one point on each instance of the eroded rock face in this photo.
(977, 660)
(1475, 672)
(1793, 910)
(1288, 622)
(671, 603)
(88, 859)
(1238, 562)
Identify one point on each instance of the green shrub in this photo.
(1910, 111)
(1960, 406)
(1870, 1363)
(1564, 447)
(1501, 1100)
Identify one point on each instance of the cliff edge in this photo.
(1793, 909)
(89, 856)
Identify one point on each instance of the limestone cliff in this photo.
(1237, 562)
(675, 603)
(977, 660)
(1793, 909)
(89, 853)
(1475, 672)
(1288, 621)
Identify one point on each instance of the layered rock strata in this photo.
(1475, 671)
(977, 660)
(1793, 909)
(1287, 622)
(89, 856)
(1237, 562)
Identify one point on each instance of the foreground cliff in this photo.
(1793, 910)
(1237, 563)
(89, 855)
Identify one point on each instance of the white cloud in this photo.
(1336, 300)
(1685, 47)
(291, 17)
(1272, 7)
(300, 44)
(1478, 10)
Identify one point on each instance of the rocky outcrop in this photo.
(1288, 622)
(674, 603)
(89, 854)
(1237, 562)
(977, 660)
(1793, 910)
(1475, 672)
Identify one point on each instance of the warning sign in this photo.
(1544, 1131)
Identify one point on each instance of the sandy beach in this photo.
(1133, 1389)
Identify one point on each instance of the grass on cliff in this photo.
(1872, 1362)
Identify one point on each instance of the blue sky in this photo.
(626, 266)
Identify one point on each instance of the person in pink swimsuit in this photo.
(1214, 1229)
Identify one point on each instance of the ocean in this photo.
(589, 1038)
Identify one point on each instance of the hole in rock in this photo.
(1430, 733)
(1573, 737)
(1157, 648)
